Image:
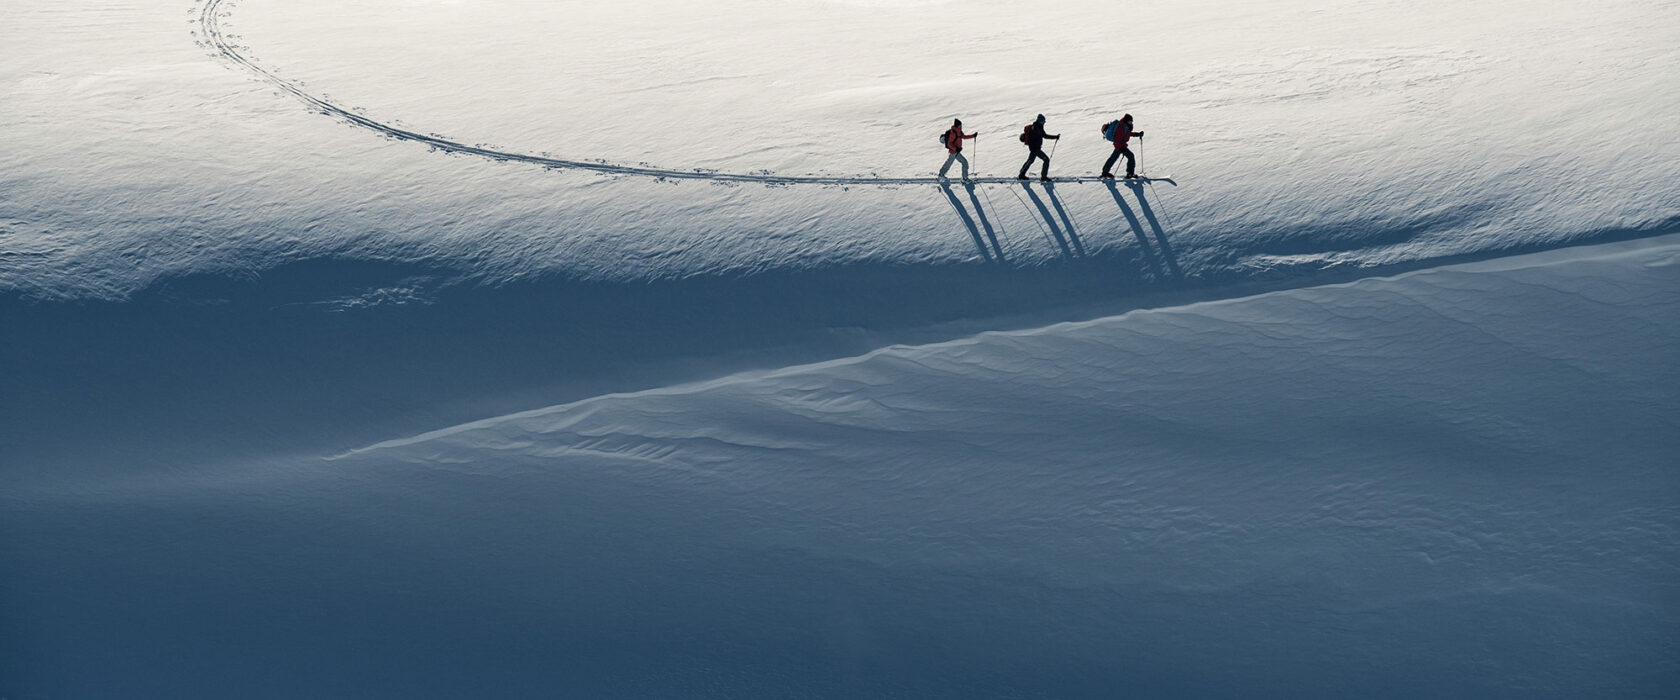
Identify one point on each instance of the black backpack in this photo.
(945, 139)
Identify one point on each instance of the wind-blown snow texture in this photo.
(1458, 483)
(782, 455)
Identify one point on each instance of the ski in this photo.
(1054, 181)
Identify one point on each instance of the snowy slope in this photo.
(250, 261)
(1456, 483)
(722, 431)
(1301, 138)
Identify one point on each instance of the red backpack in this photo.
(1024, 131)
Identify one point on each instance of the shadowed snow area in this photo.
(1369, 392)
(189, 252)
(1456, 483)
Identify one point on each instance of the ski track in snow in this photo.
(210, 19)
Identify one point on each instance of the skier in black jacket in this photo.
(1034, 137)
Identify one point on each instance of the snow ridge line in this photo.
(210, 17)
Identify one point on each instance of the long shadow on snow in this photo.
(980, 213)
(1149, 252)
(1061, 213)
(1077, 250)
(968, 222)
(324, 355)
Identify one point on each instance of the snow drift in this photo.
(1455, 483)
(806, 424)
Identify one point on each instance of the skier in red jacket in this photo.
(953, 143)
(1120, 132)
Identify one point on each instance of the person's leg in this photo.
(1108, 165)
(964, 161)
(948, 161)
(1028, 164)
(1131, 162)
(1044, 171)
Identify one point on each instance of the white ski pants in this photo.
(955, 158)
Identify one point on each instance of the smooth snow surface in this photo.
(1457, 483)
(744, 406)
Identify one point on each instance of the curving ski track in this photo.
(210, 17)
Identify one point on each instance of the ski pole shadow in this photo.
(980, 213)
(968, 223)
(1055, 230)
(1067, 222)
(1137, 230)
(1155, 226)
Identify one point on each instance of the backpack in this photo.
(945, 139)
(1109, 130)
(1024, 131)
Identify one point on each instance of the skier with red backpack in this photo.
(953, 138)
(1120, 132)
(1033, 135)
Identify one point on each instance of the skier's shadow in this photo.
(991, 254)
(1078, 248)
(1149, 252)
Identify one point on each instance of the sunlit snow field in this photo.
(1372, 392)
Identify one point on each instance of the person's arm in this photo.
(969, 136)
(1058, 137)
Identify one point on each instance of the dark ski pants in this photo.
(1036, 153)
(1131, 161)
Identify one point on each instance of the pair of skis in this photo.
(1077, 179)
